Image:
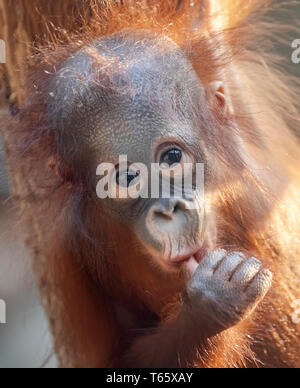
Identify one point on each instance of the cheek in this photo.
(124, 212)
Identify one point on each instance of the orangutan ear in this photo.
(220, 97)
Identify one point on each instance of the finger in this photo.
(247, 271)
(260, 285)
(211, 261)
(229, 265)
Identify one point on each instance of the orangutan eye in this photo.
(171, 157)
(125, 178)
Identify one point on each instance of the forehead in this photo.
(134, 130)
(121, 93)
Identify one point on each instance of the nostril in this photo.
(176, 208)
(164, 214)
(168, 209)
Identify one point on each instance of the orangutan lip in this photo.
(197, 255)
(200, 255)
(194, 256)
(182, 259)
